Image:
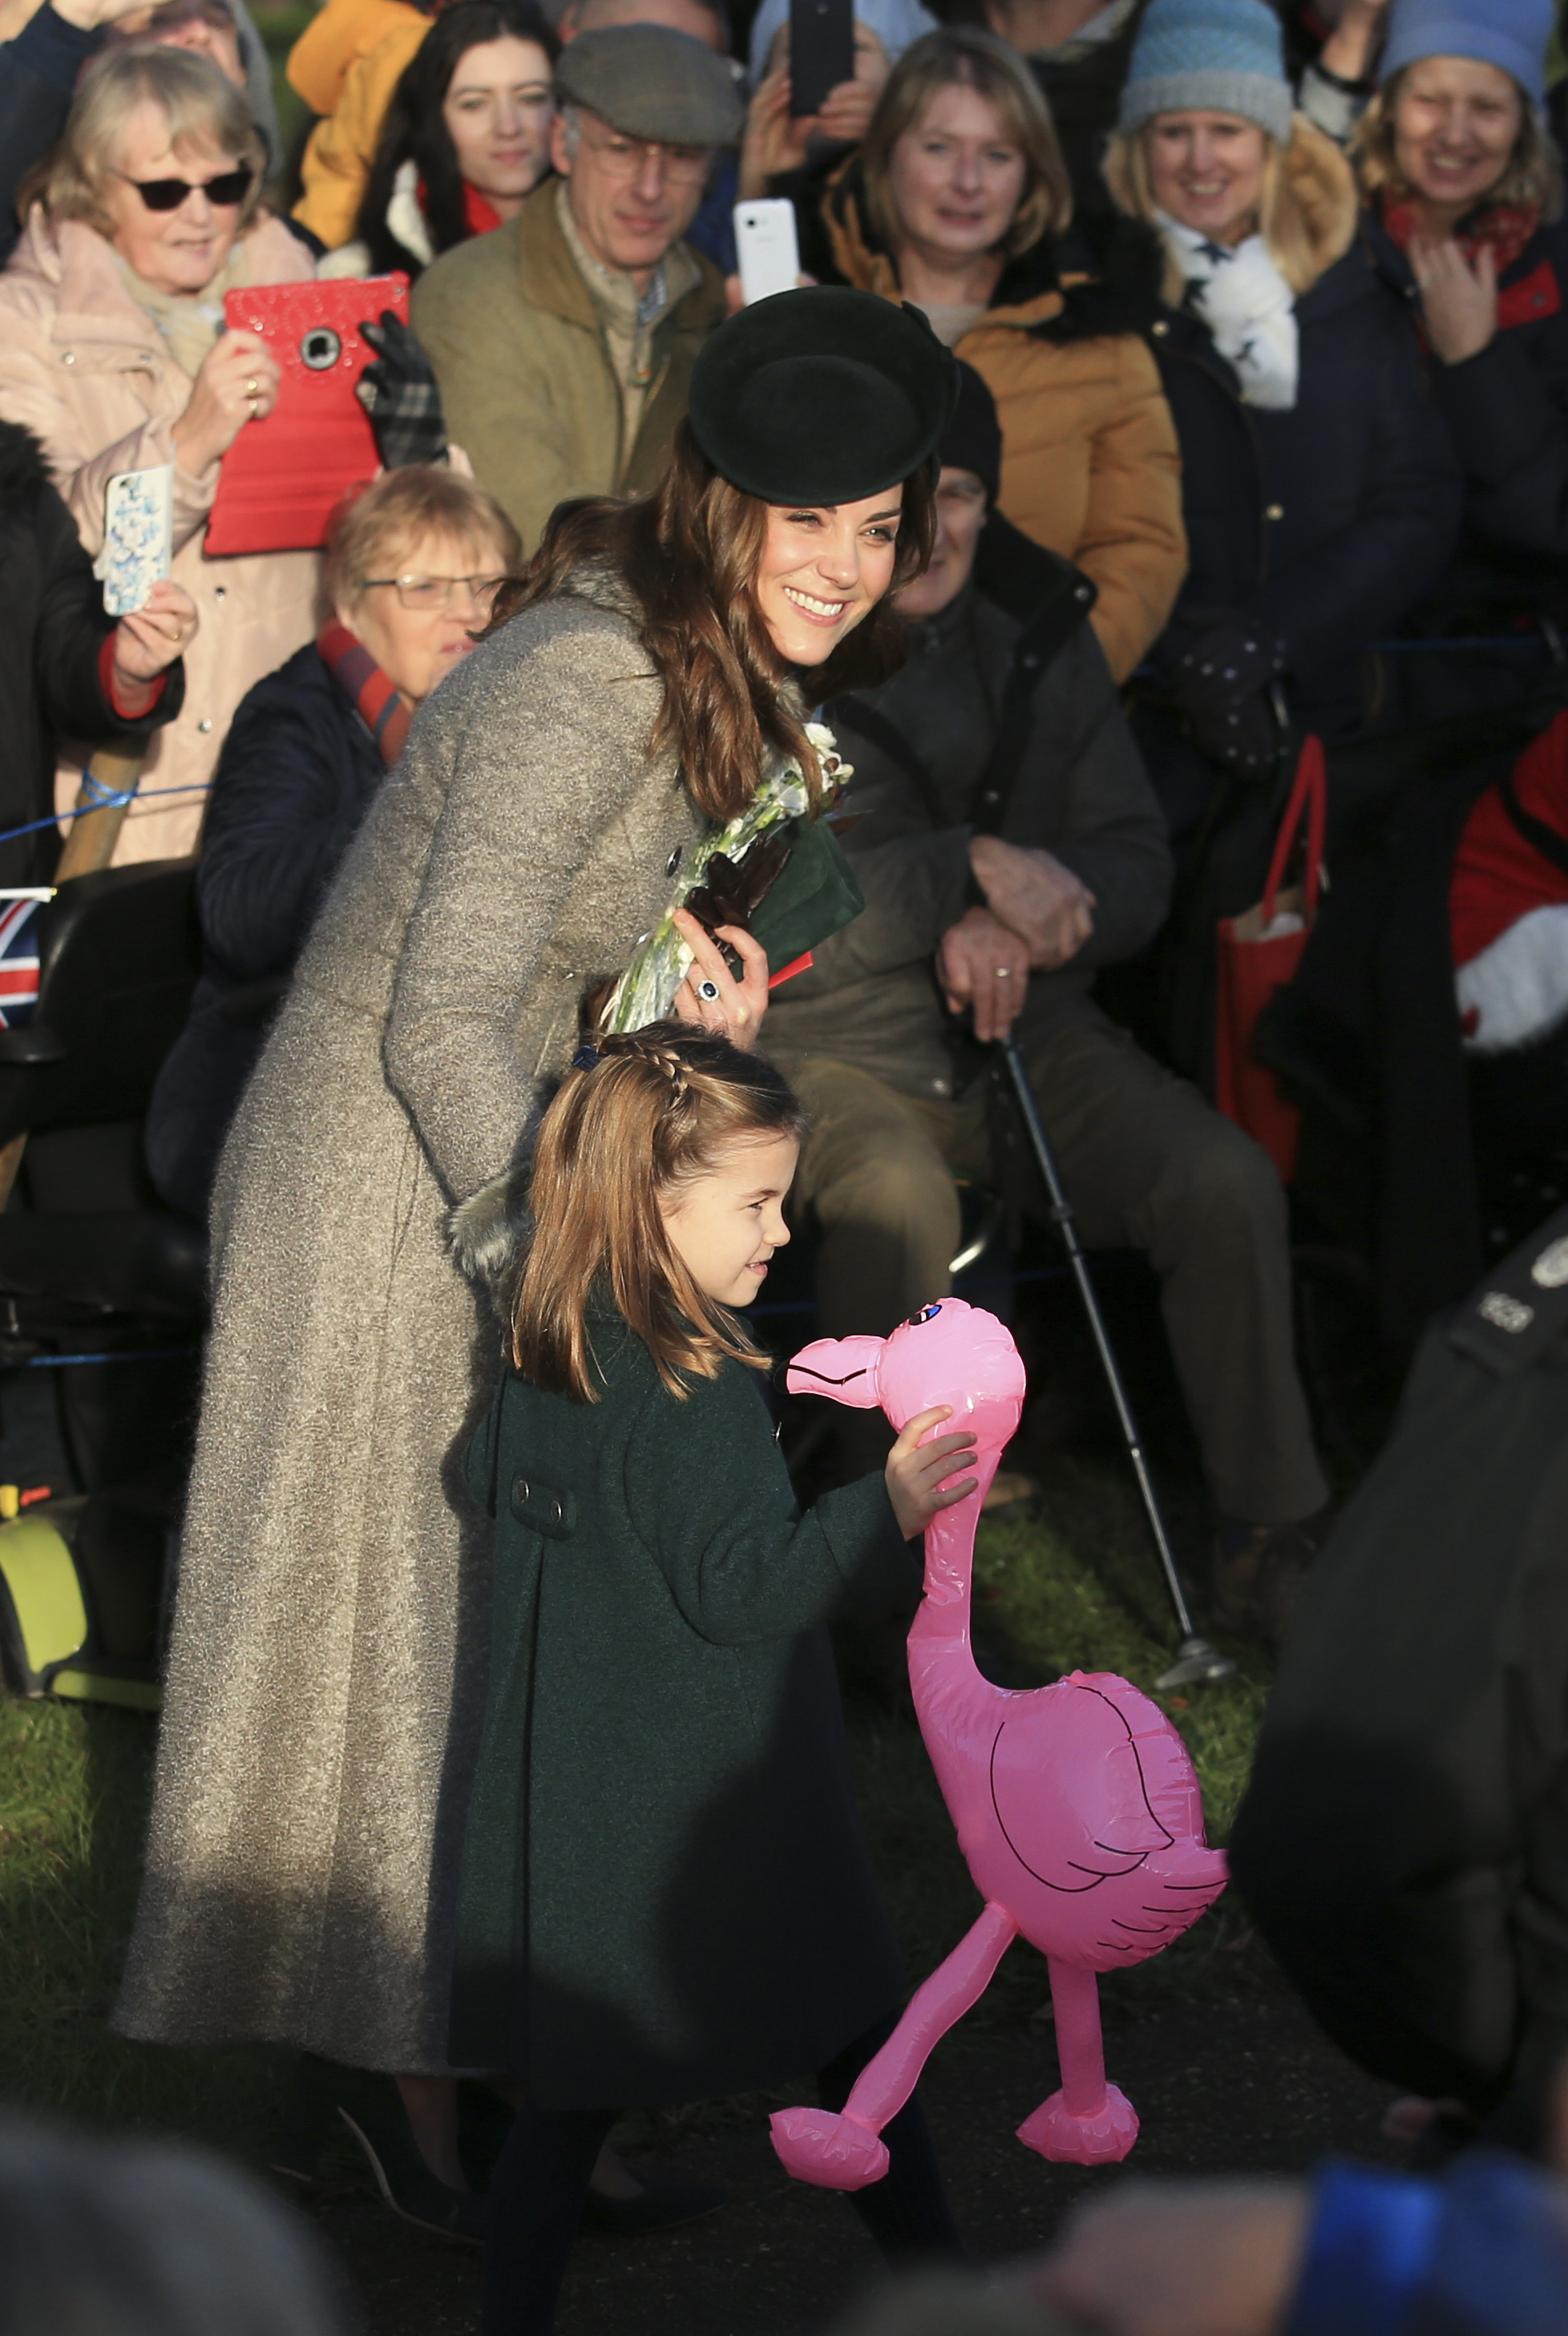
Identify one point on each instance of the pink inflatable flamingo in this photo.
(1076, 1805)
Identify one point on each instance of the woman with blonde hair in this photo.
(1321, 497)
(114, 353)
(955, 203)
(1465, 194)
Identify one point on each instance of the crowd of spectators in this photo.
(1264, 434)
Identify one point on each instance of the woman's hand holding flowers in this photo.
(710, 994)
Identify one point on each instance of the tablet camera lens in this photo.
(321, 348)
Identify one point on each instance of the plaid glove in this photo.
(1223, 685)
(400, 395)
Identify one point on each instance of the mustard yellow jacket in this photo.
(1090, 466)
(346, 65)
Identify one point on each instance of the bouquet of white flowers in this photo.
(662, 959)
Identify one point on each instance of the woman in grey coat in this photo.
(326, 1673)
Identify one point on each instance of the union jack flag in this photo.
(19, 955)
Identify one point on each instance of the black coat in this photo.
(1327, 522)
(1403, 1844)
(1507, 408)
(296, 776)
(1004, 719)
(666, 1891)
(53, 628)
(38, 74)
(1367, 1033)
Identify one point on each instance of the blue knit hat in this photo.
(1511, 34)
(1220, 56)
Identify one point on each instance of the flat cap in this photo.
(648, 82)
(823, 395)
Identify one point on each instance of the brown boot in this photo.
(1254, 1586)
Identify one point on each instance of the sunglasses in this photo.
(229, 187)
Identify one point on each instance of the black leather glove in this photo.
(1223, 685)
(400, 395)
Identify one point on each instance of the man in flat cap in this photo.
(563, 341)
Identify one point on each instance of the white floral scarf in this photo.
(1247, 306)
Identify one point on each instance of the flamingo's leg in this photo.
(847, 2152)
(1088, 2122)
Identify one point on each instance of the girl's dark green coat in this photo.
(666, 1891)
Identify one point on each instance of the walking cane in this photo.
(1195, 1659)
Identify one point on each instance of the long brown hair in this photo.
(689, 554)
(660, 1106)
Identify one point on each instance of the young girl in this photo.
(666, 1893)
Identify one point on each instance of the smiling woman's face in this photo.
(179, 250)
(1456, 124)
(956, 178)
(823, 571)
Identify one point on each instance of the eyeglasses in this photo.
(430, 593)
(628, 157)
(229, 188)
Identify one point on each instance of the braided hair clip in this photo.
(586, 1057)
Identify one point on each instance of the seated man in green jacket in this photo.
(564, 340)
(1005, 716)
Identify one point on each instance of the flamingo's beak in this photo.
(844, 1368)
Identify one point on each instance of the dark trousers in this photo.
(1146, 1165)
(540, 2180)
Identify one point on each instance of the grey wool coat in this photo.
(325, 1672)
(667, 1893)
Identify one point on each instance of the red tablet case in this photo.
(284, 473)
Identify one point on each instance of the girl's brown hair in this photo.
(660, 1107)
(1533, 173)
(689, 554)
(962, 55)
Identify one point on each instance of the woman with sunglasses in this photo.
(114, 354)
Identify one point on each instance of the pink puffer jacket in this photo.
(86, 371)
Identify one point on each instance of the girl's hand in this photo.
(711, 994)
(237, 383)
(1458, 302)
(916, 1470)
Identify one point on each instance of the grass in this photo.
(1074, 1590)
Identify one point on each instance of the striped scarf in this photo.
(384, 715)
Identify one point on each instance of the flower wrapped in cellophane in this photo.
(662, 959)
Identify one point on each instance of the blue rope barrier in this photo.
(105, 799)
(120, 1355)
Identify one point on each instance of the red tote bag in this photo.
(1259, 953)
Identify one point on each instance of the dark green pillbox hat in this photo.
(821, 395)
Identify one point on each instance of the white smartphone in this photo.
(137, 537)
(764, 238)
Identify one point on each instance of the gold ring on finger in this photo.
(251, 386)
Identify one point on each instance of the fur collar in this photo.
(71, 268)
(603, 585)
(1122, 297)
(23, 469)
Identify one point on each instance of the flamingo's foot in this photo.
(1102, 2138)
(837, 2153)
